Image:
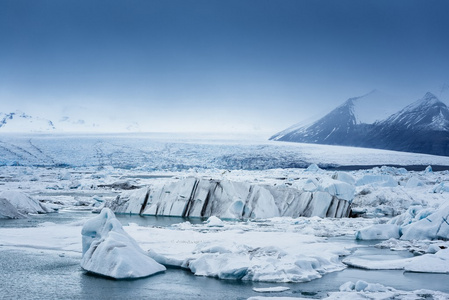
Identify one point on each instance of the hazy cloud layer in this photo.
(215, 65)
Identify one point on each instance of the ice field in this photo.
(270, 229)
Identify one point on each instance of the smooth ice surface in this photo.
(109, 251)
(271, 289)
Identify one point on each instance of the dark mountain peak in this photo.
(427, 113)
(429, 99)
(422, 126)
(429, 95)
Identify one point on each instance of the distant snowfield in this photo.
(183, 152)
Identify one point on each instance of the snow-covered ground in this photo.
(406, 209)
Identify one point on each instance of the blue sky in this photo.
(243, 66)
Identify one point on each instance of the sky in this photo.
(215, 66)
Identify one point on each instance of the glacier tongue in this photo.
(197, 197)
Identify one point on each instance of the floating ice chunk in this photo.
(273, 289)
(339, 189)
(65, 176)
(363, 286)
(238, 261)
(124, 185)
(311, 185)
(428, 169)
(430, 263)
(377, 180)
(109, 251)
(431, 227)
(313, 168)
(378, 232)
(364, 290)
(213, 221)
(413, 214)
(441, 188)
(370, 264)
(8, 211)
(74, 184)
(414, 182)
(24, 203)
(392, 170)
(130, 201)
(432, 249)
(223, 265)
(345, 177)
(427, 263)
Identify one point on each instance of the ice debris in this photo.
(364, 290)
(213, 221)
(416, 223)
(109, 251)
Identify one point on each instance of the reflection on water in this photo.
(53, 275)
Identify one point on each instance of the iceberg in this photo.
(23, 203)
(378, 232)
(198, 197)
(109, 251)
(8, 211)
(417, 223)
(377, 180)
(431, 227)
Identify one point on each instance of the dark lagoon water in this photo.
(26, 274)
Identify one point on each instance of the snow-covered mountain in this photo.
(20, 122)
(427, 113)
(422, 126)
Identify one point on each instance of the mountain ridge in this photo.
(422, 127)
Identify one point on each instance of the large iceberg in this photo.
(198, 197)
(15, 204)
(109, 251)
(8, 211)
